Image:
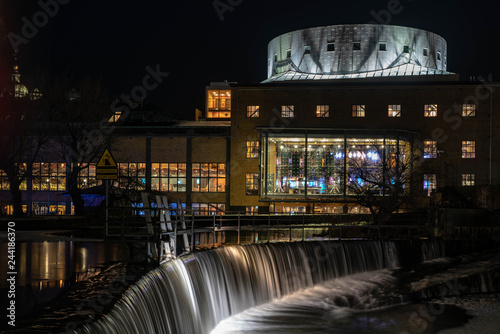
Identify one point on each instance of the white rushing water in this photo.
(319, 308)
(195, 293)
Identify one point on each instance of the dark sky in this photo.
(117, 39)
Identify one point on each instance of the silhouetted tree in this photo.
(22, 135)
(383, 185)
(80, 114)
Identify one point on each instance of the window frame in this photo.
(253, 149)
(394, 112)
(468, 180)
(288, 111)
(469, 110)
(253, 111)
(210, 178)
(468, 149)
(251, 184)
(430, 183)
(322, 110)
(158, 177)
(359, 110)
(430, 149)
(430, 110)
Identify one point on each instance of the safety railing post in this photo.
(239, 226)
(269, 228)
(213, 234)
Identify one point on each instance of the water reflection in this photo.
(45, 269)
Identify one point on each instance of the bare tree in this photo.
(79, 113)
(380, 181)
(22, 135)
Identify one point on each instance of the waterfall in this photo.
(432, 249)
(194, 293)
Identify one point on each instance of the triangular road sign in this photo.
(107, 160)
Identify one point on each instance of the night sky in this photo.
(117, 39)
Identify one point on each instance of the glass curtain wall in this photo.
(319, 165)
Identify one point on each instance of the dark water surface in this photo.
(47, 269)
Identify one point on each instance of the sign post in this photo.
(107, 169)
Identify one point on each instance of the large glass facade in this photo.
(327, 165)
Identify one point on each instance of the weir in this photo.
(193, 293)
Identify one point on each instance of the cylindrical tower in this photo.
(355, 49)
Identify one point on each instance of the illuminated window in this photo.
(382, 46)
(307, 49)
(168, 177)
(252, 184)
(86, 177)
(288, 111)
(322, 111)
(429, 183)
(468, 110)
(252, 210)
(115, 117)
(426, 52)
(468, 180)
(430, 110)
(208, 209)
(209, 177)
(4, 181)
(131, 176)
(288, 53)
(394, 110)
(253, 111)
(49, 176)
(430, 149)
(330, 47)
(45, 208)
(468, 149)
(406, 49)
(219, 103)
(252, 149)
(358, 110)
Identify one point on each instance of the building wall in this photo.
(345, 59)
(449, 128)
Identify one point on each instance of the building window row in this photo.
(168, 177)
(4, 181)
(430, 182)
(468, 149)
(131, 176)
(356, 46)
(208, 209)
(209, 177)
(49, 176)
(359, 110)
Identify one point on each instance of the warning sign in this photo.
(107, 168)
(107, 160)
